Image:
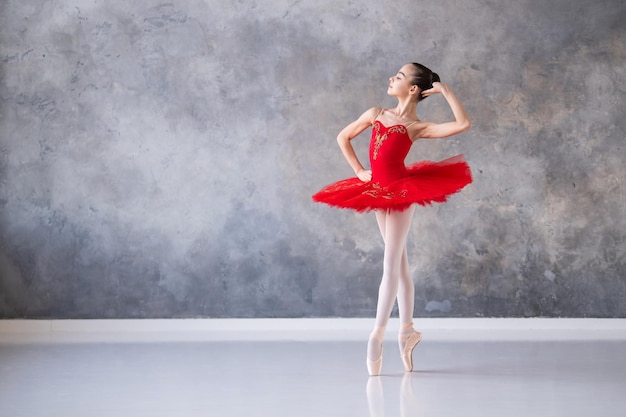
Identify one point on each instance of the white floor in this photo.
(543, 377)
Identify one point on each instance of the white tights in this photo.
(396, 280)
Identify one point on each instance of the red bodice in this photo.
(389, 147)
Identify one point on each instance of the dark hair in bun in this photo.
(424, 78)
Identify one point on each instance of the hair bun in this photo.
(424, 78)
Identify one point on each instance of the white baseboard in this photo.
(327, 329)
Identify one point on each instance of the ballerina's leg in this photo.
(394, 227)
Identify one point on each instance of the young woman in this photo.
(392, 189)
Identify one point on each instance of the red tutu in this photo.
(426, 182)
(396, 186)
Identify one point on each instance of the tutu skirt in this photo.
(424, 183)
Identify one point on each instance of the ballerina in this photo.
(391, 189)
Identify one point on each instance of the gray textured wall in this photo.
(157, 159)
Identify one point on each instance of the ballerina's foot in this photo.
(407, 343)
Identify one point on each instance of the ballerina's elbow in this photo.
(342, 140)
(466, 125)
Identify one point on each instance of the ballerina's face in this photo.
(399, 84)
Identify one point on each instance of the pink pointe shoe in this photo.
(406, 350)
(374, 367)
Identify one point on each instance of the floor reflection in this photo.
(376, 401)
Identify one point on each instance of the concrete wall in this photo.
(157, 159)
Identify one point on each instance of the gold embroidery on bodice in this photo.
(379, 139)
